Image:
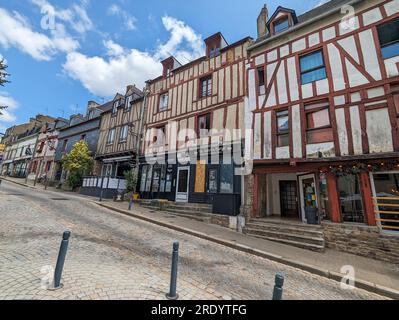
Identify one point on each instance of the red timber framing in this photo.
(272, 54)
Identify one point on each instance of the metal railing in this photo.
(104, 182)
(387, 212)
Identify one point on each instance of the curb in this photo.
(359, 283)
(18, 183)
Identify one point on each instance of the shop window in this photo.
(226, 178)
(169, 179)
(156, 177)
(148, 181)
(387, 192)
(324, 200)
(163, 102)
(213, 181)
(261, 81)
(206, 87)
(312, 67)
(281, 25)
(143, 180)
(350, 198)
(204, 125)
(282, 128)
(388, 35)
(318, 125)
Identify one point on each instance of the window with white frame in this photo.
(163, 101)
(115, 107)
(111, 136)
(123, 134)
(128, 103)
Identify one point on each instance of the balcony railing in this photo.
(387, 213)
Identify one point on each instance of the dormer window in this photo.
(115, 107)
(281, 25)
(214, 44)
(128, 103)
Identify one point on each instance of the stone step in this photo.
(290, 229)
(296, 224)
(190, 216)
(173, 206)
(190, 205)
(187, 212)
(302, 245)
(306, 239)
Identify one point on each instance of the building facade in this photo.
(323, 104)
(192, 112)
(118, 144)
(80, 127)
(43, 166)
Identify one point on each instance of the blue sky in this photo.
(63, 53)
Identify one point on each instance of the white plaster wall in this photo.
(337, 72)
(356, 130)
(281, 84)
(267, 153)
(392, 7)
(379, 130)
(257, 137)
(283, 152)
(390, 66)
(326, 148)
(296, 131)
(370, 54)
(292, 79)
(342, 132)
(372, 16)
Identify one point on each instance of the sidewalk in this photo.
(382, 277)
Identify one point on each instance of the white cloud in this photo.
(76, 16)
(128, 20)
(15, 31)
(7, 114)
(180, 34)
(104, 76)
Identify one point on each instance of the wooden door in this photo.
(289, 199)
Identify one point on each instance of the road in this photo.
(112, 256)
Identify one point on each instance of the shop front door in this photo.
(308, 193)
(289, 199)
(183, 180)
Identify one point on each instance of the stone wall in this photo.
(362, 240)
(247, 206)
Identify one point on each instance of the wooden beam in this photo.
(333, 198)
(367, 198)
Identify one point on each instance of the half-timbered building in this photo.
(119, 133)
(192, 113)
(323, 103)
(118, 144)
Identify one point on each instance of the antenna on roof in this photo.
(62, 111)
(76, 108)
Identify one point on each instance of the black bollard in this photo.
(278, 287)
(0, 181)
(61, 259)
(172, 295)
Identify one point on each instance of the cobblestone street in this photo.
(112, 256)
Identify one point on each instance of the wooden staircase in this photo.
(194, 211)
(292, 233)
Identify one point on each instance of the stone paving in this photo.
(112, 256)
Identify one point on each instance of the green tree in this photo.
(3, 79)
(131, 180)
(78, 162)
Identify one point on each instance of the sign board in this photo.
(2, 147)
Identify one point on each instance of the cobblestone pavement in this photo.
(112, 256)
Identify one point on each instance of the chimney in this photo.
(130, 87)
(262, 21)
